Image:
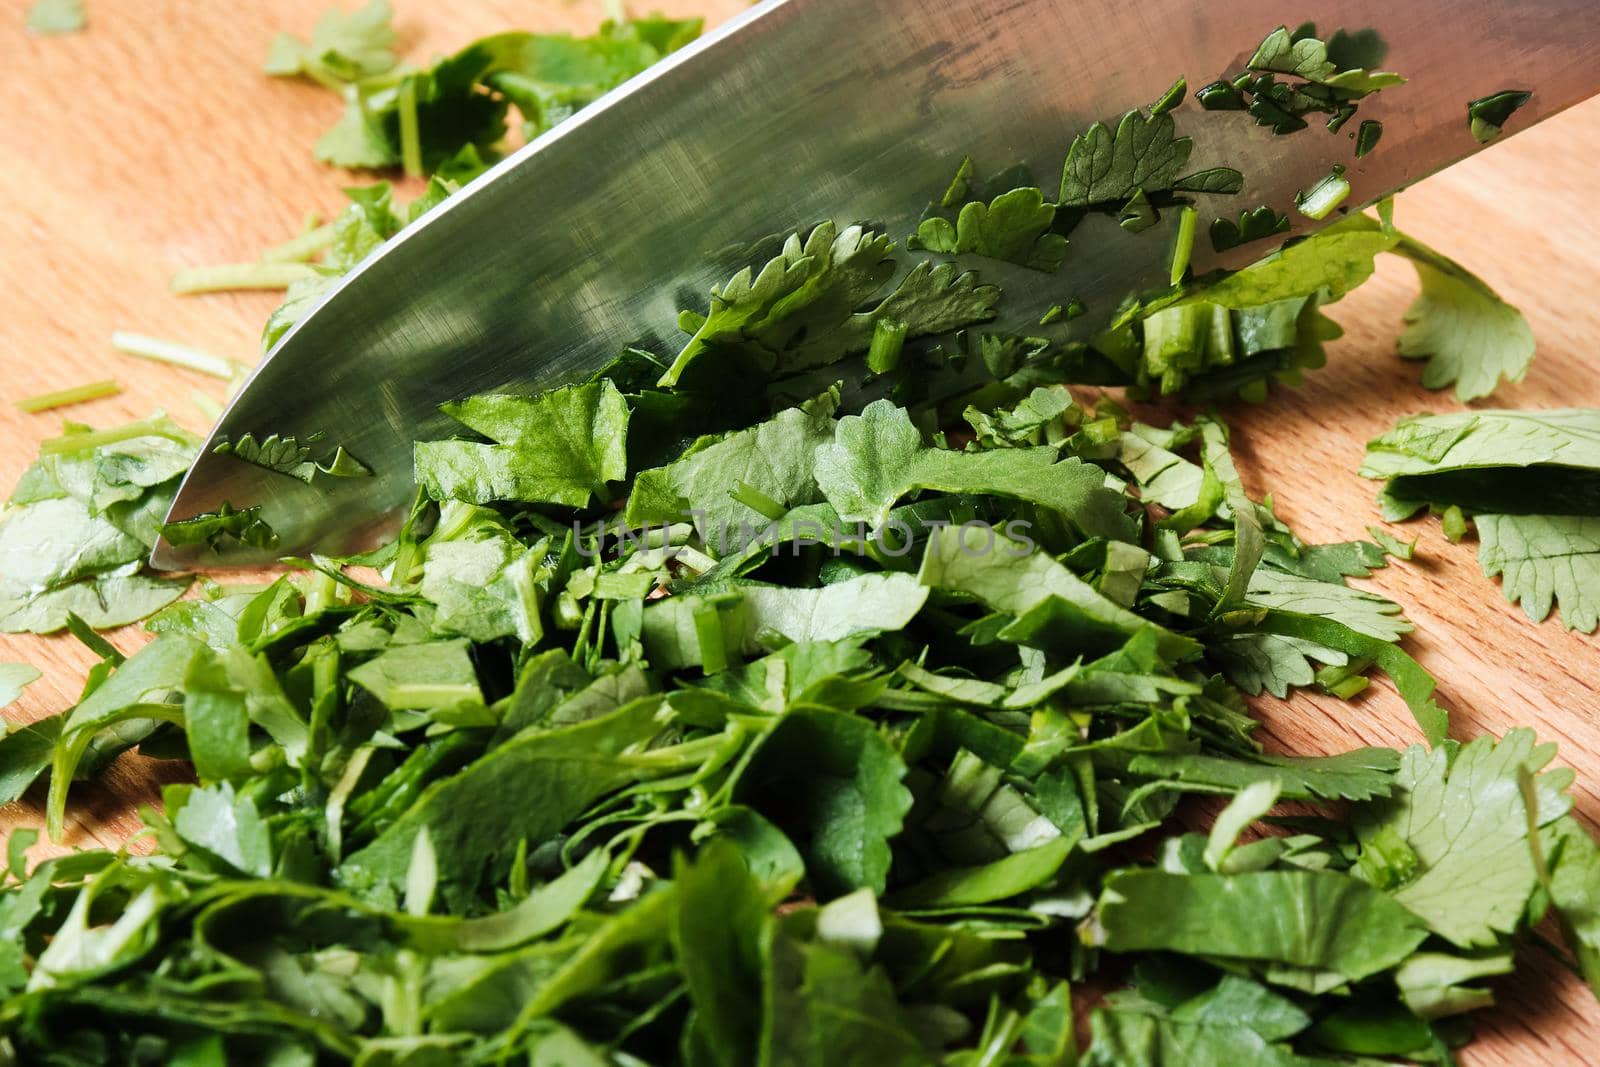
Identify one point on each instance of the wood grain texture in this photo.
(153, 142)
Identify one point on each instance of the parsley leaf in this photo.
(560, 447)
(244, 525)
(878, 457)
(1471, 338)
(1466, 821)
(1509, 469)
(343, 47)
(1014, 227)
(1144, 154)
(1255, 224)
(1544, 561)
(1488, 115)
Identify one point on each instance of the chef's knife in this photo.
(593, 236)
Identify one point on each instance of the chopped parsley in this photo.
(1488, 115)
(782, 695)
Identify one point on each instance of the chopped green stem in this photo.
(1184, 248)
(226, 277)
(301, 248)
(210, 409)
(133, 344)
(888, 340)
(86, 442)
(76, 395)
(410, 136)
(1319, 201)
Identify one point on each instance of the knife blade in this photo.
(591, 237)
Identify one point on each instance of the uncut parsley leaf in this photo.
(1510, 470)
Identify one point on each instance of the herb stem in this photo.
(301, 248)
(1184, 248)
(410, 135)
(133, 344)
(76, 395)
(225, 277)
(92, 439)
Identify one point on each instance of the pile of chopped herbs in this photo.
(858, 719)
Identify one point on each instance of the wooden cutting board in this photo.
(152, 141)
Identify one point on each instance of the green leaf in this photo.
(1487, 115)
(1132, 1039)
(1008, 577)
(720, 927)
(104, 603)
(1250, 804)
(342, 47)
(228, 827)
(1309, 58)
(528, 788)
(26, 749)
(559, 447)
(148, 676)
(1359, 774)
(432, 674)
(1575, 891)
(803, 308)
(878, 457)
(1144, 154)
(990, 883)
(483, 581)
(1255, 224)
(832, 784)
(14, 678)
(1468, 825)
(827, 1007)
(1470, 337)
(50, 17)
(1336, 259)
(1545, 561)
(1014, 227)
(216, 528)
(746, 617)
(775, 458)
(216, 721)
(1433, 984)
(1316, 919)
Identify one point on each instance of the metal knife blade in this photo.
(592, 236)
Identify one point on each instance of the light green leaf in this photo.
(1545, 561)
(1471, 338)
(1468, 825)
(1316, 919)
(878, 457)
(559, 447)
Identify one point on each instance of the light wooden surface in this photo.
(152, 142)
